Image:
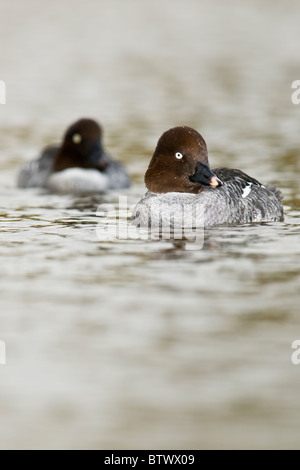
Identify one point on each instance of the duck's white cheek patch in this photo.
(246, 191)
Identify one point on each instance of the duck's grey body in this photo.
(39, 174)
(240, 200)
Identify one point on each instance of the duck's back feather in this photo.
(34, 174)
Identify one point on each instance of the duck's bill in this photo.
(215, 182)
(203, 175)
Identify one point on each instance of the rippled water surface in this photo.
(127, 344)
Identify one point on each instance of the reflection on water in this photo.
(140, 343)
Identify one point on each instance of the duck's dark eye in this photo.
(76, 138)
(178, 155)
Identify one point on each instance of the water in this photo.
(145, 344)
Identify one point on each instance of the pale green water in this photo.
(134, 344)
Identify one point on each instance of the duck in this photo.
(183, 190)
(78, 165)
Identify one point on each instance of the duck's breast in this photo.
(78, 181)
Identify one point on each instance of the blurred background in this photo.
(135, 344)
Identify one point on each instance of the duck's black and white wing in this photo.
(248, 198)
